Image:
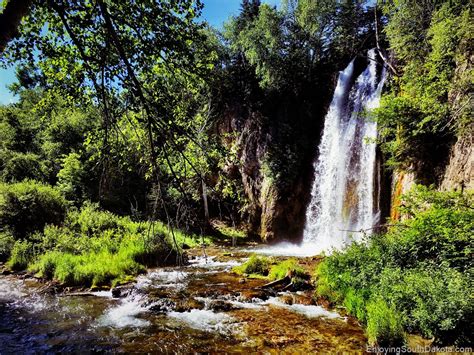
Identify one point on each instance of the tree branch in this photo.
(379, 48)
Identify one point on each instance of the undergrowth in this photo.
(92, 247)
(415, 278)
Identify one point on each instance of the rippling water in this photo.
(200, 307)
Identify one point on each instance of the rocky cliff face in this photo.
(459, 174)
(274, 148)
(402, 182)
(272, 210)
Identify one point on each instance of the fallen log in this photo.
(81, 294)
(284, 280)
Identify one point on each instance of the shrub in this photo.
(90, 220)
(384, 326)
(416, 276)
(440, 229)
(6, 245)
(70, 177)
(432, 300)
(21, 166)
(27, 206)
(21, 255)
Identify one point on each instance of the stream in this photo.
(201, 307)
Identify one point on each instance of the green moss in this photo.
(291, 266)
(258, 265)
(229, 232)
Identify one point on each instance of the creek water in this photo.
(201, 307)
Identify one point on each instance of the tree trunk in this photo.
(380, 49)
(10, 19)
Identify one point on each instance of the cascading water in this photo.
(343, 195)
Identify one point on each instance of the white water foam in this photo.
(11, 289)
(210, 263)
(163, 279)
(309, 311)
(206, 320)
(125, 314)
(304, 249)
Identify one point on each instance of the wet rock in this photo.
(287, 299)
(162, 305)
(122, 291)
(324, 302)
(221, 306)
(249, 295)
(188, 304)
(5, 271)
(303, 299)
(116, 292)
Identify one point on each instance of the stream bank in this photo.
(201, 307)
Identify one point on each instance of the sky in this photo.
(216, 12)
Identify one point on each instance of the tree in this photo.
(134, 57)
(10, 18)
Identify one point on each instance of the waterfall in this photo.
(342, 195)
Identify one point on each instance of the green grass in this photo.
(21, 255)
(94, 248)
(281, 269)
(268, 268)
(255, 266)
(384, 324)
(91, 269)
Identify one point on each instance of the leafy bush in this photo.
(416, 276)
(383, 324)
(431, 300)
(70, 177)
(90, 220)
(21, 166)
(27, 206)
(6, 245)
